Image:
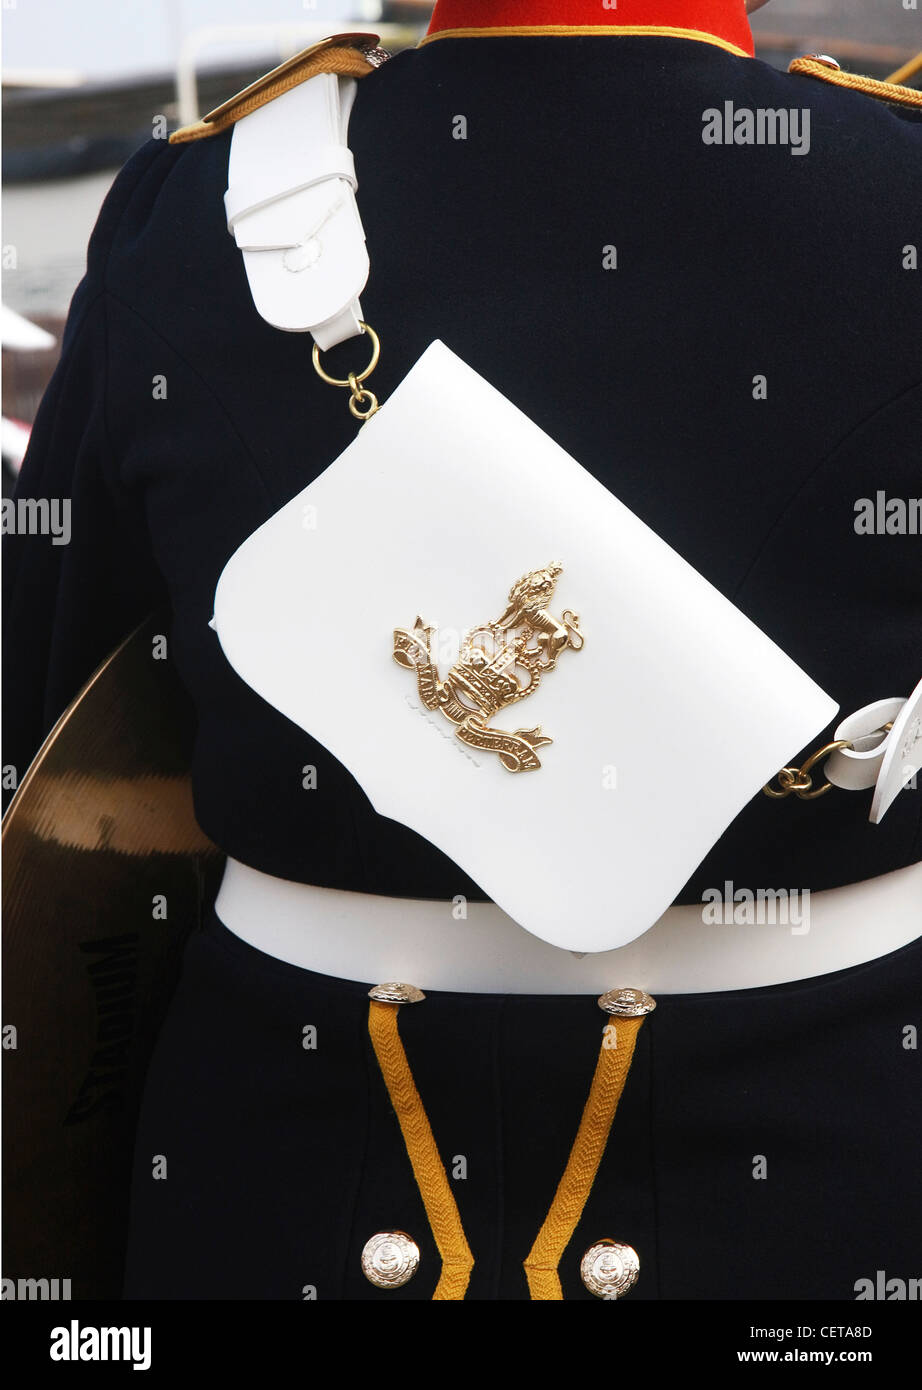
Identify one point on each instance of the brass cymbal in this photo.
(105, 872)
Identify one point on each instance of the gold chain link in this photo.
(798, 779)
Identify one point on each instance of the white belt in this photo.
(713, 946)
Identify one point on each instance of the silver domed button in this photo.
(609, 1269)
(390, 1259)
(393, 992)
(627, 1003)
(825, 59)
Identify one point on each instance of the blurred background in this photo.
(82, 83)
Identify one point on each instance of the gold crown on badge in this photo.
(500, 663)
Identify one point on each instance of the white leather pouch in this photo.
(664, 712)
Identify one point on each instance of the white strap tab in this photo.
(854, 769)
(291, 208)
(327, 162)
(886, 760)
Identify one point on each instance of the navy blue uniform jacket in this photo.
(733, 262)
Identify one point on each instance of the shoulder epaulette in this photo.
(347, 55)
(828, 70)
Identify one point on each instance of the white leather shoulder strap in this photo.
(291, 209)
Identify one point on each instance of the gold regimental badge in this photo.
(500, 663)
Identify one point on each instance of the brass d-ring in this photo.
(811, 793)
(353, 376)
(824, 752)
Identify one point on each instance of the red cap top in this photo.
(723, 21)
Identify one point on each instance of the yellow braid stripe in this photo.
(882, 91)
(574, 1187)
(431, 1178)
(667, 31)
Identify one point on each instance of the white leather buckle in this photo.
(327, 162)
(290, 205)
(884, 759)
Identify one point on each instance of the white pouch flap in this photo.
(671, 716)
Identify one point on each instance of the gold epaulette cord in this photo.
(347, 55)
(907, 70)
(827, 70)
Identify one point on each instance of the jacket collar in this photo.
(721, 22)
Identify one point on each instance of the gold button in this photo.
(609, 1269)
(395, 993)
(627, 1003)
(390, 1259)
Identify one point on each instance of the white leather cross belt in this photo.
(740, 940)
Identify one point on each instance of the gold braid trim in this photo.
(881, 91)
(428, 1169)
(619, 1037)
(344, 55)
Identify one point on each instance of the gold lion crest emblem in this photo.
(500, 663)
